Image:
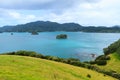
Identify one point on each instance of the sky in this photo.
(83, 12)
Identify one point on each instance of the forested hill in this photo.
(42, 26)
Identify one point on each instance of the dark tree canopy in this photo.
(61, 36)
(114, 47)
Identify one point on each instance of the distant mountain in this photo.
(42, 26)
(102, 29)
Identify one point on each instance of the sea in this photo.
(79, 45)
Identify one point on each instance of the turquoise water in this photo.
(79, 45)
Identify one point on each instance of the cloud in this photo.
(40, 4)
(12, 17)
(97, 13)
(35, 4)
(84, 12)
(22, 4)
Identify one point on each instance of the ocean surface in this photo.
(78, 45)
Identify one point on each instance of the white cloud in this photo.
(15, 15)
(104, 12)
(85, 12)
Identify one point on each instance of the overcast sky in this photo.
(84, 12)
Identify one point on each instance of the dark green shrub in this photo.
(103, 57)
(101, 62)
(88, 75)
(26, 53)
(48, 57)
(104, 74)
(22, 53)
(60, 59)
(9, 53)
(55, 58)
(73, 59)
(118, 51)
(39, 56)
(112, 48)
(99, 57)
(32, 54)
(106, 51)
(107, 58)
(92, 62)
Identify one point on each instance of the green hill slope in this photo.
(113, 64)
(28, 68)
(113, 50)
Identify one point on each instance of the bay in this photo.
(78, 45)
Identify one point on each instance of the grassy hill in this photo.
(113, 50)
(113, 64)
(28, 68)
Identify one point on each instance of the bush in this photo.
(39, 56)
(106, 51)
(92, 62)
(55, 58)
(48, 57)
(118, 51)
(26, 53)
(88, 75)
(107, 58)
(103, 57)
(101, 62)
(112, 48)
(73, 59)
(32, 54)
(9, 53)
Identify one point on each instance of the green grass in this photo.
(112, 64)
(28, 68)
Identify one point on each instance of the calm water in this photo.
(79, 45)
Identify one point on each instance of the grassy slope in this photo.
(113, 64)
(28, 68)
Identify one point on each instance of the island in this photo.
(61, 36)
(34, 33)
(11, 33)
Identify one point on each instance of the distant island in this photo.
(61, 36)
(34, 33)
(47, 26)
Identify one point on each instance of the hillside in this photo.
(28, 68)
(42, 26)
(113, 64)
(113, 51)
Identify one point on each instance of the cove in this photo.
(78, 44)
